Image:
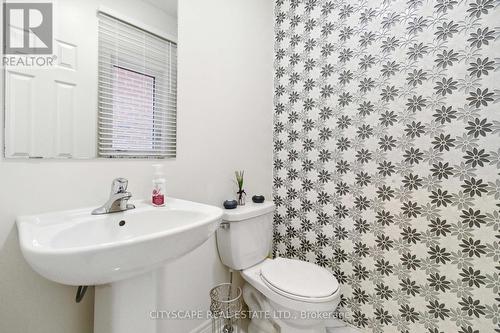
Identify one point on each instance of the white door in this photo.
(50, 111)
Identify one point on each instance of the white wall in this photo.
(225, 120)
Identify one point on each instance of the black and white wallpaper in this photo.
(387, 157)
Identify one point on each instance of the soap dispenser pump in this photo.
(158, 193)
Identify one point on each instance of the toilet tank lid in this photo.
(249, 210)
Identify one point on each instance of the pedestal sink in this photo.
(118, 253)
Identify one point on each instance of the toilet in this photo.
(283, 295)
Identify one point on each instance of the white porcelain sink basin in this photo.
(76, 248)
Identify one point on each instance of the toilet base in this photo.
(268, 317)
(258, 305)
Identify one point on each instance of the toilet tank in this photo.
(245, 236)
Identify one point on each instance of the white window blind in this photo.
(137, 92)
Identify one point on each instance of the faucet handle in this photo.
(119, 185)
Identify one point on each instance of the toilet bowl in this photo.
(299, 296)
(283, 295)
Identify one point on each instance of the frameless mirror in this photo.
(90, 79)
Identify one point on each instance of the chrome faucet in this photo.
(118, 198)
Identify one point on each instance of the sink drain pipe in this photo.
(80, 293)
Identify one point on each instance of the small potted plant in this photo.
(241, 192)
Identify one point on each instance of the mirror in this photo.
(90, 79)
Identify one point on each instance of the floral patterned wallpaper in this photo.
(387, 157)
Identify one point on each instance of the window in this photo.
(137, 92)
(133, 108)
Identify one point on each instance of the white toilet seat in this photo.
(252, 275)
(299, 280)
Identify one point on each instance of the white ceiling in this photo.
(169, 6)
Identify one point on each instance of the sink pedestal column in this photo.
(125, 306)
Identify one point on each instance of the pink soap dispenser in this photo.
(158, 192)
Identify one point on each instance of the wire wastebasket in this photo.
(225, 308)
